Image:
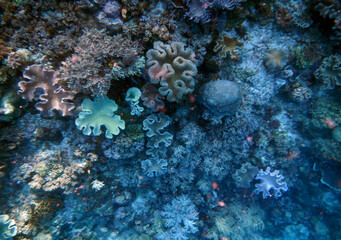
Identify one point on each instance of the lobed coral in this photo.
(173, 67)
(110, 15)
(329, 72)
(151, 98)
(7, 227)
(271, 183)
(54, 96)
(158, 138)
(154, 166)
(98, 113)
(245, 175)
(132, 97)
(228, 44)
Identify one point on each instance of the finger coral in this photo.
(173, 67)
(54, 96)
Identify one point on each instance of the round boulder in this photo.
(222, 97)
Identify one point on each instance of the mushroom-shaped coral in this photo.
(227, 45)
(132, 97)
(54, 96)
(174, 67)
(7, 227)
(98, 113)
(330, 72)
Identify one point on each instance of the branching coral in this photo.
(270, 181)
(228, 45)
(293, 11)
(173, 67)
(54, 96)
(329, 72)
(180, 218)
(98, 113)
(198, 11)
(87, 69)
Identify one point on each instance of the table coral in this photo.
(173, 67)
(55, 97)
(98, 113)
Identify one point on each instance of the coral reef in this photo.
(227, 87)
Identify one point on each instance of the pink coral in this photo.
(54, 96)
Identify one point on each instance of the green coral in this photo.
(98, 113)
(7, 227)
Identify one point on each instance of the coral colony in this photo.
(170, 119)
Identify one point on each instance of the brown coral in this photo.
(54, 96)
(227, 46)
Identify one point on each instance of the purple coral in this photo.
(198, 11)
(270, 180)
(54, 96)
(111, 14)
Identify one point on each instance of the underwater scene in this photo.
(170, 120)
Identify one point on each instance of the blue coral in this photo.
(180, 218)
(271, 183)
